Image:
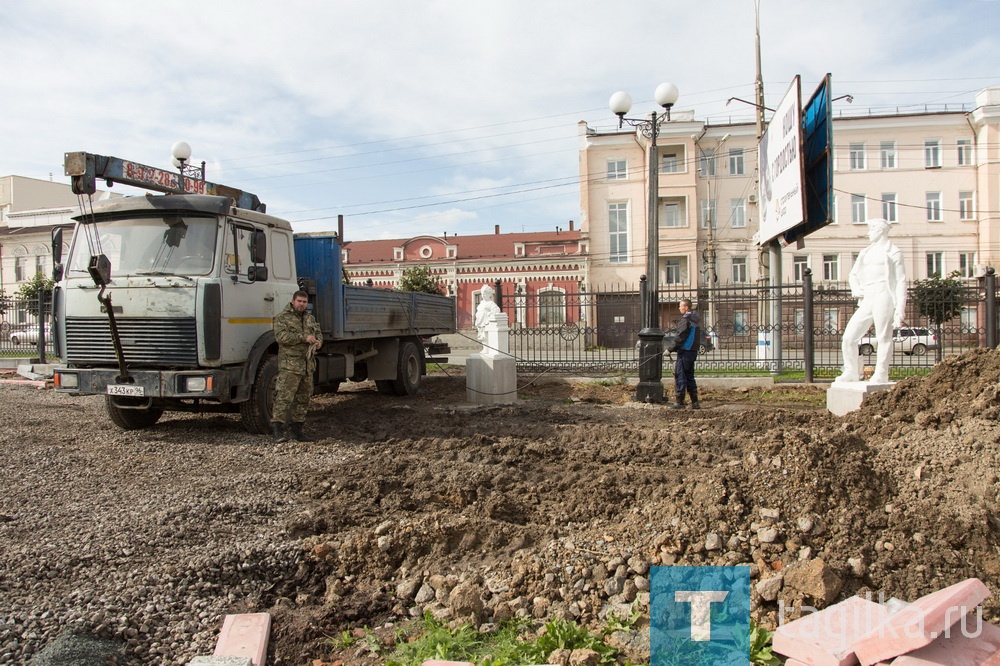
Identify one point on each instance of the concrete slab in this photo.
(491, 380)
(827, 637)
(970, 644)
(245, 635)
(920, 623)
(221, 661)
(845, 397)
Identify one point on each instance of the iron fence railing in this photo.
(23, 333)
(749, 327)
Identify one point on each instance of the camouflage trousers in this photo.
(291, 398)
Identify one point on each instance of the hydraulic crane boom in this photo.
(85, 168)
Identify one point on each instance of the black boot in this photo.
(693, 392)
(678, 401)
(278, 432)
(298, 435)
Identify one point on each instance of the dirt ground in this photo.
(531, 504)
(557, 505)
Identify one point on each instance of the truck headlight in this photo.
(67, 380)
(197, 384)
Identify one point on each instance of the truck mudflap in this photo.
(215, 385)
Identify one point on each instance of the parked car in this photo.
(707, 342)
(909, 340)
(27, 335)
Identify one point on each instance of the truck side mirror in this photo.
(57, 243)
(258, 247)
(257, 274)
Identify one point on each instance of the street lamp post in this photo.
(650, 388)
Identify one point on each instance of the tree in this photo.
(940, 300)
(28, 291)
(419, 278)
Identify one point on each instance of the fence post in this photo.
(991, 308)
(498, 293)
(41, 326)
(807, 324)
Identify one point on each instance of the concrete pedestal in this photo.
(490, 380)
(845, 397)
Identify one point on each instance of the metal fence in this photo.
(750, 328)
(23, 333)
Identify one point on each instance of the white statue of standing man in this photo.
(486, 309)
(878, 280)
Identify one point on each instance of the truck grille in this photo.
(159, 342)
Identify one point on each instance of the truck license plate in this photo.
(125, 389)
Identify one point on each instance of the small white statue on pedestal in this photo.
(878, 280)
(484, 313)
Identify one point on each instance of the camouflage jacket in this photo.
(291, 329)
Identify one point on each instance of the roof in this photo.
(483, 246)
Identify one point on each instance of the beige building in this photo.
(29, 210)
(934, 174)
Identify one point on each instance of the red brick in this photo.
(921, 622)
(826, 638)
(245, 635)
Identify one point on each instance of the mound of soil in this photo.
(558, 505)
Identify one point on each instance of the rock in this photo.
(559, 657)
(465, 600)
(407, 589)
(767, 535)
(638, 565)
(805, 524)
(424, 594)
(768, 588)
(713, 541)
(815, 579)
(772, 514)
(582, 657)
(633, 644)
(857, 566)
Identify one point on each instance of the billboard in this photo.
(780, 163)
(817, 159)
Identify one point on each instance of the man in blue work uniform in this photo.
(685, 347)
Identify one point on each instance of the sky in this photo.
(412, 117)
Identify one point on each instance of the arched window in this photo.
(551, 307)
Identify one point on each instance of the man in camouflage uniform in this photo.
(298, 336)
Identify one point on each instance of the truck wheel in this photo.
(385, 386)
(256, 411)
(131, 419)
(408, 371)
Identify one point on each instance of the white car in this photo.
(28, 335)
(909, 340)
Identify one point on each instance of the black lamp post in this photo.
(650, 388)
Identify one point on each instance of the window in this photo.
(857, 156)
(671, 216)
(618, 232)
(20, 269)
(708, 213)
(39, 264)
(739, 269)
(800, 320)
(280, 255)
(834, 215)
(932, 153)
(673, 271)
(741, 322)
(831, 321)
(969, 320)
(966, 211)
(889, 206)
(831, 267)
(888, 153)
(935, 264)
(551, 308)
(799, 265)
(669, 163)
(967, 264)
(933, 206)
(617, 170)
(735, 161)
(738, 213)
(859, 209)
(707, 166)
(964, 152)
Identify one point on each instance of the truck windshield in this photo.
(165, 245)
